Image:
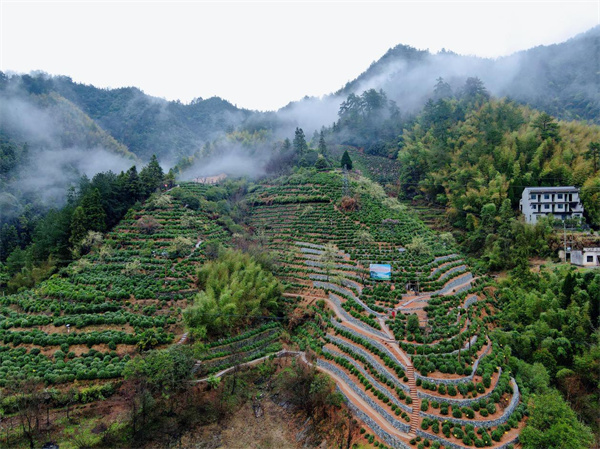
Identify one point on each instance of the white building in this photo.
(589, 257)
(561, 202)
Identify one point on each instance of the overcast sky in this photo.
(262, 55)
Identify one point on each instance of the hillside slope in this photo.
(561, 79)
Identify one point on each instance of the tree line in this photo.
(31, 252)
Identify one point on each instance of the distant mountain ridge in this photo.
(562, 79)
(144, 124)
(149, 125)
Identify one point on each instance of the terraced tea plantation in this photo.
(85, 322)
(411, 355)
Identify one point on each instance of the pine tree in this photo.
(346, 161)
(78, 226)
(547, 127)
(132, 184)
(95, 216)
(322, 144)
(593, 153)
(151, 175)
(300, 145)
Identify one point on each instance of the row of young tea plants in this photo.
(409, 358)
(125, 296)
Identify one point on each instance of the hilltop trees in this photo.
(546, 126)
(473, 156)
(369, 120)
(151, 176)
(322, 145)
(299, 144)
(95, 205)
(90, 216)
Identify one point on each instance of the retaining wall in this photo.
(374, 382)
(377, 430)
(456, 381)
(375, 343)
(453, 283)
(469, 302)
(355, 321)
(371, 360)
(394, 421)
(462, 402)
(514, 401)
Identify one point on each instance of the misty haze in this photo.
(409, 261)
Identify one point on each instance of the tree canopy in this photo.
(236, 291)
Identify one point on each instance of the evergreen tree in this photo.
(300, 145)
(593, 153)
(322, 144)
(346, 161)
(321, 163)
(442, 89)
(286, 146)
(8, 240)
(78, 226)
(546, 126)
(132, 185)
(474, 89)
(95, 216)
(151, 175)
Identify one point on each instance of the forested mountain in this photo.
(146, 125)
(560, 79)
(237, 271)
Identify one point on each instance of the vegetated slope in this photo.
(146, 125)
(46, 144)
(380, 169)
(561, 79)
(430, 368)
(127, 294)
(476, 156)
(33, 125)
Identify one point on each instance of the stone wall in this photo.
(375, 343)
(355, 321)
(372, 361)
(508, 411)
(377, 430)
(453, 283)
(470, 301)
(346, 292)
(392, 420)
(462, 402)
(452, 271)
(456, 381)
(374, 382)
(448, 445)
(310, 245)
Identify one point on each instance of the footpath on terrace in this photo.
(410, 354)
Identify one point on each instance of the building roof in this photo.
(551, 189)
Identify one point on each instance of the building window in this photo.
(560, 206)
(546, 196)
(560, 196)
(546, 206)
(589, 259)
(534, 206)
(533, 197)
